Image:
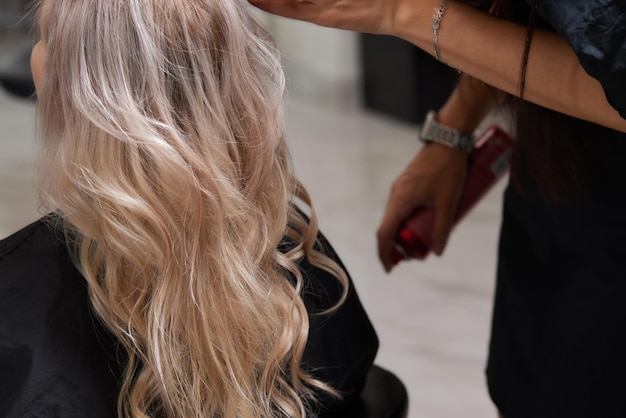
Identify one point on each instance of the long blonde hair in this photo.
(163, 150)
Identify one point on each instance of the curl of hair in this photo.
(163, 150)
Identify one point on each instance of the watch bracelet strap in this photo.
(433, 131)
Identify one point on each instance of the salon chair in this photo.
(384, 396)
(15, 74)
(16, 41)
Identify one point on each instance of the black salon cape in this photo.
(558, 343)
(57, 360)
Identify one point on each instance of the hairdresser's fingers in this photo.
(293, 9)
(409, 191)
(394, 216)
(356, 15)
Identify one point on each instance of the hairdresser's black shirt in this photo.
(558, 342)
(57, 360)
(596, 31)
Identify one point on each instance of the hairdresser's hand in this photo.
(434, 178)
(371, 16)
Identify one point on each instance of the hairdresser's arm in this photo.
(476, 43)
(435, 177)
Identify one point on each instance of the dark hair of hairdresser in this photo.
(551, 147)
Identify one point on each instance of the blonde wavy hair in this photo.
(163, 151)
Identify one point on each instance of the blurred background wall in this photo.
(321, 63)
(345, 69)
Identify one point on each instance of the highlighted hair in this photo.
(163, 150)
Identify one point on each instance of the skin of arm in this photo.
(436, 175)
(486, 47)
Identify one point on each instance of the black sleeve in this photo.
(596, 31)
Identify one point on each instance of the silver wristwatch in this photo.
(433, 131)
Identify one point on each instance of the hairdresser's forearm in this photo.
(469, 103)
(491, 50)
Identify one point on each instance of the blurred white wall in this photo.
(321, 63)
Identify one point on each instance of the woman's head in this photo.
(162, 148)
(145, 100)
(179, 75)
